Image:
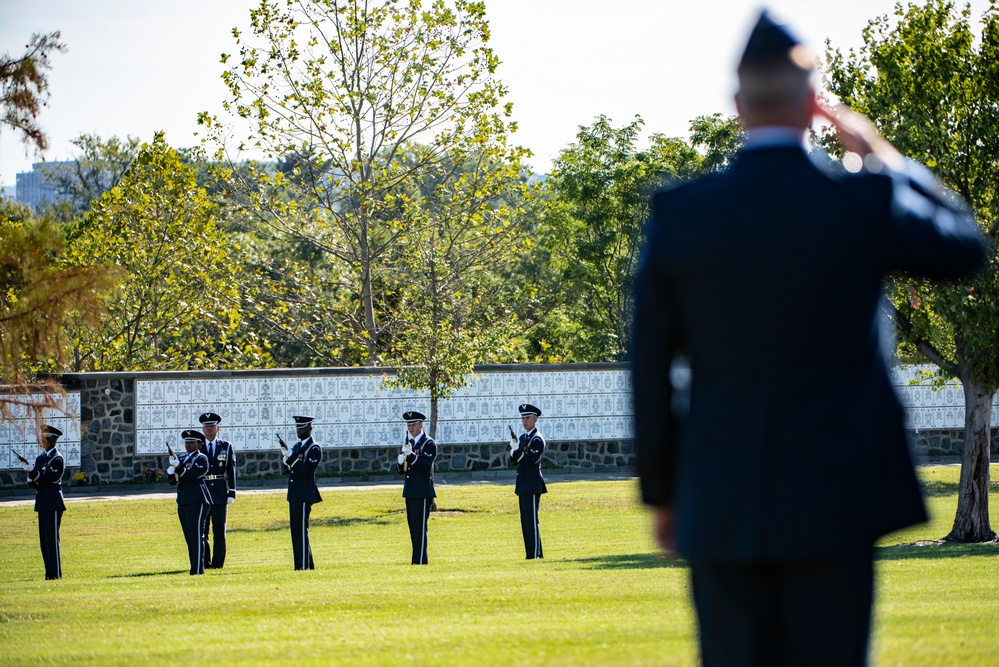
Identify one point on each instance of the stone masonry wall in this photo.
(108, 446)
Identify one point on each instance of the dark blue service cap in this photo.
(303, 421)
(414, 417)
(771, 43)
(210, 419)
(528, 409)
(51, 431)
(193, 434)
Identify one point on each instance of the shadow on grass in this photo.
(935, 549)
(936, 488)
(631, 562)
(316, 522)
(147, 574)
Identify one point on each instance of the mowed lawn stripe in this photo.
(601, 596)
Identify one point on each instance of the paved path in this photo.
(27, 496)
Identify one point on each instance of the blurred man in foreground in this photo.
(791, 459)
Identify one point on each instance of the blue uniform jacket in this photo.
(222, 471)
(301, 468)
(419, 469)
(768, 278)
(527, 458)
(191, 471)
(46, 478)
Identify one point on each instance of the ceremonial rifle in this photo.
(176, 477)
(405, 461)
(19, 457)
(285, 448)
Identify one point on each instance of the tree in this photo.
(934, 93)
(454, 304)
(97, 167)
(24, 87)
(38, 297)
(599, 189)
(363, 100)
(178, 306)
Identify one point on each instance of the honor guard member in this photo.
(188, 473)
(221, 482)
(526, 453)
(417, 463)
(46, 478)
(300, 463)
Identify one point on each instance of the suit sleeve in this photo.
(933, 232)
(197, 469)
(535, 450)
(48, 472)
(656, 341)
(313, 456)
(230, 472)
(518, 453)
(52, 473)
(425, 461)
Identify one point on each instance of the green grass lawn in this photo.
(602, 596)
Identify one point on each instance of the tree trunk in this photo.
(433, 416)
(972, 521)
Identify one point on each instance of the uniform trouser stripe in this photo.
(537, 537)
(305, 541)
(216, 519)
(529, 525)
(299, 522)
(423, 533)
(201, 544)
(191, 518)
(48, 538)
(417, 515)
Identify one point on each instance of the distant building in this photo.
(37, 187)
(9, 192)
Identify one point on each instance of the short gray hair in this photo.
(770, 89)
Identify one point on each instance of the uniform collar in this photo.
(773, 136)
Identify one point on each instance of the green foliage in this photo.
(178, 306)
(24, 86)
(462, 228)
(599, 191)
(369, 107)
(38, 297)
(97, 167)
(933, 92)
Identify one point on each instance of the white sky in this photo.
(134, 67)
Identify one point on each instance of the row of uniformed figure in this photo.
(205, 477)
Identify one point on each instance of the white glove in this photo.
(402, 459)
(230, 501)
(27, 467)
(407, 449)
(171, 470)
(173, 460)
(514, 446)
